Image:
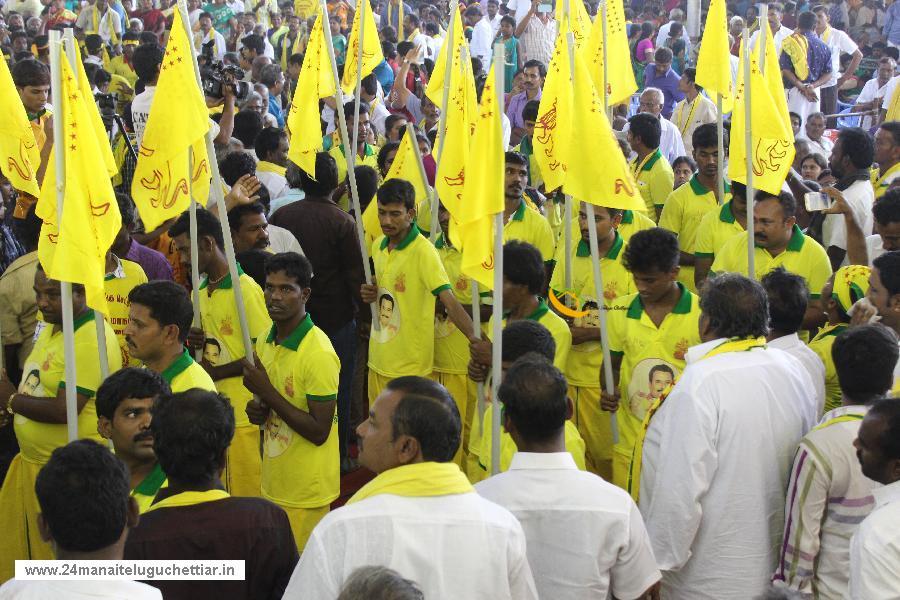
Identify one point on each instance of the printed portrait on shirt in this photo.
(31, 381)
(388, 323)
(215, 353)
(590, 318)
(278, 436)
(650, 378)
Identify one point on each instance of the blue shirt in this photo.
(892, 24)
(275, 110)
(818, 58)
(668, 83)
(385, 76)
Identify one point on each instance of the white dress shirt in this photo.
(688, 116)
(869, 93)
(282, 240)
(839, 43)
(874, 247)
(810, 361)
(860, 197)
(585, 536)
(887, 92)
(78, 590)
(213, 35)
(822, 146)
(715, 468)
(458, 546)
(275, 183)
(482, 38)
(875, 549)
(779, 36)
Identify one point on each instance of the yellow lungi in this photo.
(458, 386)
(593, 424)
(303, 521)
(377, 383)
(243, 463)
(19, 535)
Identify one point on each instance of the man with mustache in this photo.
(523, 223)
(123, 403)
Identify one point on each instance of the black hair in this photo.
(146, 61)
(735, 306)
(191, 431)
(788, 297)
(533, 393)
(531, 110)
(247, 125)
(168, 303)
(267, 141)
(326, 177)
(431, 28)
(651, 251)
(130, 382)
(93, 42)
(686, 160)
(366, 184)
(254, 42)
(427, 413)
(646, 127)
(30, 72)
(888, 410)
(523, 265)
(397, 191)
(785, 199)
(541, 67)
(888, 265)
(28, 229)
(864, 358)
(237, 214)
(350, 111)
(387, 149)
(816, 158)
(892, 127)
(858, 146)
(662, 55)
(253, 263)
(706, 136)
(149, 38)
(887, 209)
(391, 120)
(84, 493)
(806, 21)
(236, 164)
(413, 18)
(126, 209)
(293, 265)
(509, 20)
(370, 84)
(526, 336)
(515, 158)
(207, 225)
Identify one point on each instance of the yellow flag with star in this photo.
(713, 66)
(621, 84)
(553, 126)
(18, 149)
(772, 142)
(176, 127)
(483, 189)
(316, 81)
(371, 47)
(75, 249)
(84, 86)
(609, 182)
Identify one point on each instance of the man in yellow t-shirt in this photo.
(687, 205)
(38, 411)
(221, 340)
(159, 320)
(586, 356)
(780, 243)
(887, 155)
(124, 401)
(652, 171)
(366, 154)
(649, 334)
(121, 277)
(295, 378)
(408, 277)
(32, 80)
(717, 227)
(521, 222)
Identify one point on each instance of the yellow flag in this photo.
(18, 149)
(578, 21)
(893, 113)
(552, 128)
(621, 84)
(306, 8)
(84, 86)
(371, 47)
(773, 139)
(316, 81)
(435, 88)
(483, 189)
(713, 66)
(177, 124)
(607, 182)
(76, 250)
(403, 167)
(454, 153)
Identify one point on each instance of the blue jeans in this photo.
(344, 342)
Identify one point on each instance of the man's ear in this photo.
(44, 529)
(104, 427)
(408, 449)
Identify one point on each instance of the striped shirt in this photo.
(827, 499)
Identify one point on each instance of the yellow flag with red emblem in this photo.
(19, 155)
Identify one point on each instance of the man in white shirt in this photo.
(207, 34)
(871, 96)
(87, 509)
(839, 43)
(692, 112)
(482, 35)
(676, 15)
(671, 144)
(717, 452)
(493, 16)
(271, 148)
(828, 494)
(412, 33)
(420, 515)
(779, 31)
(814, 134)
(585, 536)
(850, 163)
(875, 548)
(518, 9)
(99, 18)
(788, 298)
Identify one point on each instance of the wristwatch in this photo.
(9, 407)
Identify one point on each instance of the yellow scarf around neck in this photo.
(190, 499)
(796, 46)
(424, 479)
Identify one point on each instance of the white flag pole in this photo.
(497, 335)
(748, 147)
(442, 119)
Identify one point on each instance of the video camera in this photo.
(106, 103)
(215, 75)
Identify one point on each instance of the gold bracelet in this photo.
(9, 407)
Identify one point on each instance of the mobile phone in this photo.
(816, 201)
(545, 7)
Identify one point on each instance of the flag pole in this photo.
(748, 147)
(351, 174)
(567, 207)
(219, 196)
(497, 334)
(351, 156)
(195, 258)
(763, 29)
(68, 321)
(720, 134)
(442, 119)
(69, 38)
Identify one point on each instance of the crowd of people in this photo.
(757, 445)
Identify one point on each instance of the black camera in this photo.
(215, 75)
(105, 102)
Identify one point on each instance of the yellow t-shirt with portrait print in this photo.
(584, 361)
(410, 277)
(224, 342)
(451, 347)
(684, 209)
(186, 374)
(655, 180)
(652, 357)
(44, 375)
(715, 229)
(528, 225)
(304, 368)
(127, 276)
